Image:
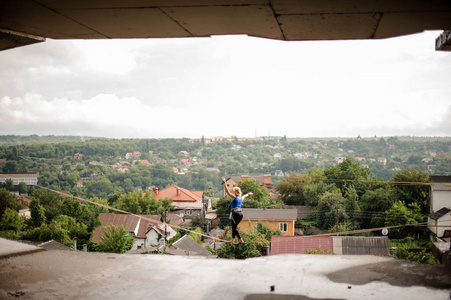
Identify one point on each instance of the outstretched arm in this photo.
(226, 189)
(246, 195)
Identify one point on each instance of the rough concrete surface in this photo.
(10, 248)
(80, 275)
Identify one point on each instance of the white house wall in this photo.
(152, 238)
(440, 199)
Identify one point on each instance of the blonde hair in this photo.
(237, 191)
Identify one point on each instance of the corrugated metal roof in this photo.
(269, 214)
(128, 221)
(290, 244)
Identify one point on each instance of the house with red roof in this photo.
(144, 228)
(186, 202)
(136, 154)
(145, 162)
(23, 200)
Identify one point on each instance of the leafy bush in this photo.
(211, 250)
(197, 237)
(257, 241)
(421, 257)
(115, 239)
(410, 243)
(318, 250)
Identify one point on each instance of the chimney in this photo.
(178, 191)
(267, 179)
(156, 190)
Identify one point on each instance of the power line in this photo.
(129, 213)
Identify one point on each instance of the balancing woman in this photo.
(237, 213)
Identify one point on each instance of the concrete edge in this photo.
(9, 255)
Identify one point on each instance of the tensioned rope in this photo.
(129, 213)
(219, 239)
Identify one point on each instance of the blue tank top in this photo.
(236, 202)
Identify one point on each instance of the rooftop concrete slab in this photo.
(290, 20)
(80, 275)
(10, 248)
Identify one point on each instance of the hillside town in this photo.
(172, 190)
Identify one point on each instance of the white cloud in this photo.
(226, 86)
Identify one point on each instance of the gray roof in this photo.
(269, 214)
(49, 245)
(54, 245)
(439, 213)
(303, 211)
(190, 247)
(440, 178)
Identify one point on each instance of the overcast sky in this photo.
(227, 85)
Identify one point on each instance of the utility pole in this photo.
(336, 224)
(165, 224)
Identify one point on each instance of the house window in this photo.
(283, 227)
(187, 212)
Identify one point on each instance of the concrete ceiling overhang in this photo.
(289, 20)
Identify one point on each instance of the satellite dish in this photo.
(385, 231)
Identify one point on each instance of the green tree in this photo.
(291, 189)
(260, 197)
(53, 231)
(347, 173)
(197, 237)
(10, 221)
(199, 221)
(10, 166)
(130, 203)
(400, 214)
(9, 185)
(410, 186)
(352, 206)
(8, 200)
(66, 166)
(115, 239)
(330, 207)
(100, 187)
(37, 212)
(50, 202)
(314, 191)
(374, 204)
(74, 228)
(223, 208)
(315, 175)
(257, 241)
(23, 188)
